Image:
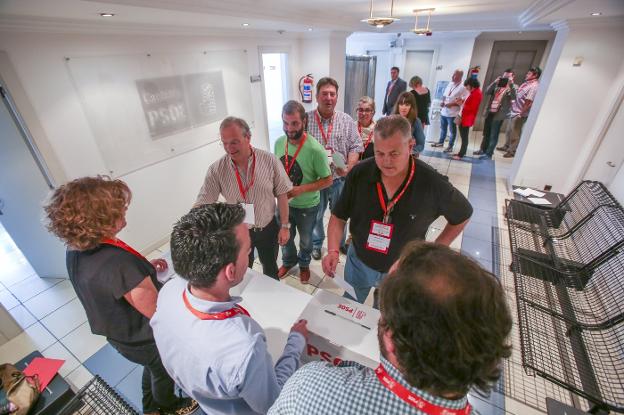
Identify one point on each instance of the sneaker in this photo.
(282, 271)
(448, 149)
(316, 253)
(187, 406)
(477, 153)
(501, 148)
(304, 275)
(509, 154)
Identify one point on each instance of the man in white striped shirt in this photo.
(254, 178)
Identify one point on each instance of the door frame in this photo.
(289, 84)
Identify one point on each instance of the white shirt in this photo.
(451, 93)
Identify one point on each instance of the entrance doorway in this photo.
(275, 79)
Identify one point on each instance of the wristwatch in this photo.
(286, 225)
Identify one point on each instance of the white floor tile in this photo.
(35, 337)
(82, 343)
(65, 319)
(51, 299)
(58, 351)
(78, 378)
(16, 271)
(8, 300)
(22, 316)
(295, 283)
(31, 286)
(514, 407)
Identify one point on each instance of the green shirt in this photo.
(310, 166)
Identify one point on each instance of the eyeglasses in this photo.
(364, 110)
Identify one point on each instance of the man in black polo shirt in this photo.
(390, 200)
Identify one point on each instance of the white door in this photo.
(382, 76)
(275, 78)
(610, 155)
(418, 63)
(22, 191)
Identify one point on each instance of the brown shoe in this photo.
(508, 155)
(282, 272)
(304, 275)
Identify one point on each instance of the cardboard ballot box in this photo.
(341, 329)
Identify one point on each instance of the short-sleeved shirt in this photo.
(451, 93)
(269, 181)
(344, 138)
(101, 277)
(428, 196)
(526, 92)
(310, 166)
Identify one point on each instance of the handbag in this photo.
(458, 120)
(21, 390)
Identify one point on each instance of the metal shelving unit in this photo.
(97, 398)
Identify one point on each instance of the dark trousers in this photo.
(487, 125)
(463, 134)
(493, 140)
(158, 387)
(265, 241)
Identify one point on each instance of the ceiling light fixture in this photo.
(309, 29)
(596, 14)
(245, 24)
(107, 14)
(380, 22)
(424, 31)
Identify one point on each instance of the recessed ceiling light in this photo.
(245, 24)
(309, 29)
(107, 14)
(596, 14)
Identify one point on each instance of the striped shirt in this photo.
(526, 92)
(344, 138)
(269, 181)
(349, 389)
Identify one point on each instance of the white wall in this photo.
(163, 191)
(560, 133)
(617, 186)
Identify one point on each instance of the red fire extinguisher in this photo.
(306, 83)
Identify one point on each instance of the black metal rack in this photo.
(568, 265)
(97, 398)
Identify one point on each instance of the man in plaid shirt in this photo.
(443, 329)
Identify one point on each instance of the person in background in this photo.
(468, 114)
(501, 93)
(209, 343)
(365, 124)
(337, 132)
(395, 87)
(454, 95)
(116, 285)
(444, 330)
(423, 99)
(406, 107)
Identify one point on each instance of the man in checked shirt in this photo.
(337, 132)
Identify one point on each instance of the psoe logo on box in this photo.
(359, 314)
(313, 351)
(345, 308)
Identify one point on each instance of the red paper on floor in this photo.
(45, 369)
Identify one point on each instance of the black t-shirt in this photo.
(428, 196)
(101, 276)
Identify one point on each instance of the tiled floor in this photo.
(54, 321)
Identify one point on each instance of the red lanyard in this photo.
(415, 400)
(370, 136)
(320, 126)
(452, 89)
(244, 190)
(387, 209)
(288, 166)
(121, 244)
(232, 312)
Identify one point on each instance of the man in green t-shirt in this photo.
(305, 161)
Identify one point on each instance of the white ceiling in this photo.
(203, 16)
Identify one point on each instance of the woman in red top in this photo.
(468, 114)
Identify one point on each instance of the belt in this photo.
(260, 228)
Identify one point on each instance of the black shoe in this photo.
(186, 406)
(316, 253)
(502, 148)
(477, 153)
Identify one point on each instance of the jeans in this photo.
(463, 133)
(158, 387)
(445, 123)
(361, 277)
(265, 241)
(329, 196)
(302, 220)
(493, 138)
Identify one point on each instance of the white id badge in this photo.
(250, 217)
(329, 151)
(379, 236)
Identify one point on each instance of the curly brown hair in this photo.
(449, 320)
(87, 210)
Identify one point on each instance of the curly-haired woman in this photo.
(116, 285)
